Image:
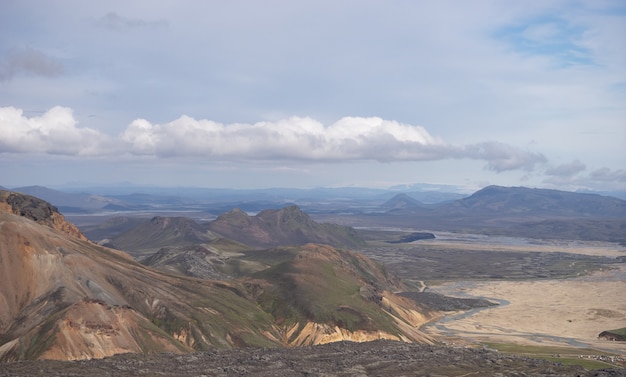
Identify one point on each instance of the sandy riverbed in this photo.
(548, 312)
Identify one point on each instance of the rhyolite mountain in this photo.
(62, 297)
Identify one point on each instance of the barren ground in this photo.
(551, 292)
(569, 312)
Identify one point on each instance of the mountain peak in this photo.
(236, 216)
(285, 226)
(401, 201)
(37, 210)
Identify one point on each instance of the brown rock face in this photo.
(65, 298)
(37, 210)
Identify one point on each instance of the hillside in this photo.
(286, 226)
(203, 261)
(62, 297)
(65, 298)
(150, 235)
(321, 294)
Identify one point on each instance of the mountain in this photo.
(401, 202)
(62, 297)
(111, 228)
(69, 202)
(153, 234)
(509, 211)
(201, 261)
(286, 226)
(37, 210)
(320, 294)
(65, 298)
(522, 201)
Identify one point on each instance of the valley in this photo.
(306, 281)
(554, 293)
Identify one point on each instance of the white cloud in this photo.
(55, 132)
(291, 139)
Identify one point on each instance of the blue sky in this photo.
(253, 94)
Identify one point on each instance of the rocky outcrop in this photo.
(37, 210)
(612, 335)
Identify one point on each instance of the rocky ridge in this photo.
(37, 210)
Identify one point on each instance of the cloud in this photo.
(295, 138)
(29, 60)
(55, 133)
(502, 157)
(566, 170)
(116, 22)
(606, 174)
(566, 177)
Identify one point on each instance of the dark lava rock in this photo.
(377, 358)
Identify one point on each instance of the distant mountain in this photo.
(522, 201)
(401, 202)
(511, 211)
(152, 234)
(286, 226)
(69, 202)
(112, 227)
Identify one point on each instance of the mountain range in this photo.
(64, 297)
(510, 211)
(494, 210)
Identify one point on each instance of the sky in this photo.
(258, 94)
